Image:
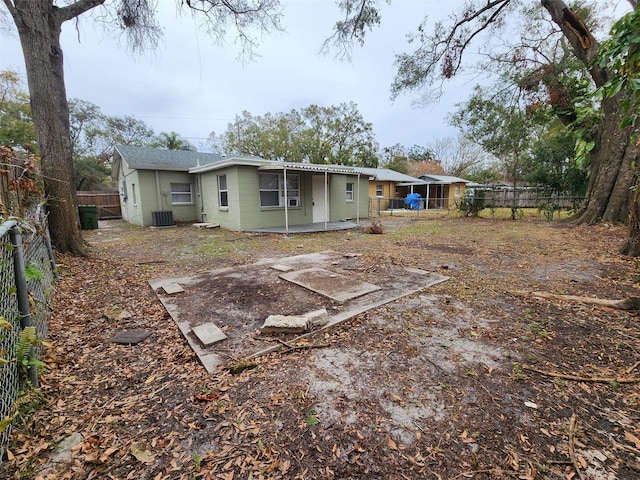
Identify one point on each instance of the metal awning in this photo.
(317, 168)
(311, 167)
(422, 182)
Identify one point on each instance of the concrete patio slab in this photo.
(239, 299)
(335, 286)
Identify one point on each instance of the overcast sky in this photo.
(193, 87)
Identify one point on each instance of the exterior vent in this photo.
(162, 218)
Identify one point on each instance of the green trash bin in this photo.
(88, 217)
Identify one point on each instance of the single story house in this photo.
(384, 187)
(158, 187)
(439, 191)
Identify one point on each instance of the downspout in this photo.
(158, 199)
(286, 203)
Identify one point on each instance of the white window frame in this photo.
(379, 190)
(223, 193)
(273, 183)
(349, 191)
(178, 196)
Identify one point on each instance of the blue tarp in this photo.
(414, 200)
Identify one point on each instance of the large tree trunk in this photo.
(614, 160)
(632, 243)
(39, 26)
(612, 170)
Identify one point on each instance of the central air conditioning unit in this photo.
(162, 218)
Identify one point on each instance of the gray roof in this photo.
(146, 158)
(386, 175)
(446, 179)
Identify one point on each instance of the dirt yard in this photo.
(476, 377)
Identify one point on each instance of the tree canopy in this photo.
(550, 54)
(39, 24)
(16, 125)
(337, 134)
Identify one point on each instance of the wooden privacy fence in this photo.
(108, 203)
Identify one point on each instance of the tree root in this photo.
(627, 304)
(577, 378)
(572, 452)
(290, 348)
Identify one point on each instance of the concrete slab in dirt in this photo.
(416, 270)
(337, 287)
(130, 337)
(208, 334)
(172, 288)
(239, 298)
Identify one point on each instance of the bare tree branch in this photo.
(439, 55)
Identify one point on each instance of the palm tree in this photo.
(172, 141)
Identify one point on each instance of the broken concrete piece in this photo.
(64, 449)
(285, 324)
(208, 334)
(282, 268)
(131, 337)
(172, 288)
(206, 225)
(317, 318)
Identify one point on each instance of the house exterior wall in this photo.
(211, 211)
(388, 191)
(456, 192)
(146, 191)
(130, 198)
(342, 208)
(245, 212)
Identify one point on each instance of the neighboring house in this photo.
(236, 192)
(441, 191)
(385, 190)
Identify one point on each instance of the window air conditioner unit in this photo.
(162, 218)
(293, 202)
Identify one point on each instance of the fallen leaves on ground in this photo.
(429, 386)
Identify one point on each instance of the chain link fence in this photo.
(27, 276)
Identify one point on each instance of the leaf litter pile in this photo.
(506, 371)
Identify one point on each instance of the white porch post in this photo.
(326, 198)
(358, 201)
(426, 201)
(286, 203)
